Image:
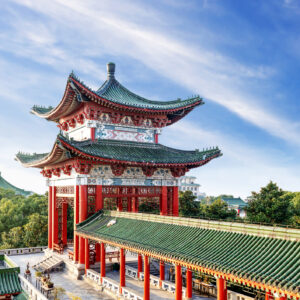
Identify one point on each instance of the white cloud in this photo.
(109, 31)
(240, 170)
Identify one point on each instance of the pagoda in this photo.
(108, 156)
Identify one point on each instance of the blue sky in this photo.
(242, 57)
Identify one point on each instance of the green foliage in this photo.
(187, 204)
(219, 210)
(271, 205)
(23, 220)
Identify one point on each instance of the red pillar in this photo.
(99, 198)
(146, 278)
(221, 287)
(87, 254)
(97, 250)
(164, 201)
(120, 204)
(54, 217)
(82, 217)
(76, 221)
(81, 251)
(83, 203)
(122, 268)
(50, 217)
(175, 201)
(102, 247)
(178, 283)
(64, 223)
(135, 204)
(93, 130)
(161, 272)
(140, 264)
(189, 284)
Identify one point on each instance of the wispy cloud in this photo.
(210, 73)
(241, 170)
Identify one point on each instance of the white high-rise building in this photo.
(188, 183)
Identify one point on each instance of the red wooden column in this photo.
(64, 223)
(178, 283)
(135, 204)
(102, 270)
(82, 217)
(221, 289)
(120, 204)
(189, 284)
(76, 221)
(164, 201)
(87, 254)
(54, 217)
(140, 265)
(122, 267)
(146, 278)
(97, 250)
(50, 217)
(99, 198)
(161, 272)
(93, 130)
(175, 202)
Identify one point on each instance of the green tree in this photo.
(295, 220)
(219, 210)
(187, 204)
(13, 238)
(35, 231)
(23, 220)
(271, 205)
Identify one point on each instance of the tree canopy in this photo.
(271, 205)
(23, 220)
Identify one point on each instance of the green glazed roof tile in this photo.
(140, 152)
(6, 185)
(9, 282)
(268, 260)
(129, 152)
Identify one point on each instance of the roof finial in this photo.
(111, 70)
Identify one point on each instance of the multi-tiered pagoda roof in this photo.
(81, 104)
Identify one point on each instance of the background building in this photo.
(188, 183)
(237, 204)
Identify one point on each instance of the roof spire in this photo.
(111, 70)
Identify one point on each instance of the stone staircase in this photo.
(154, 269)
(51, 263)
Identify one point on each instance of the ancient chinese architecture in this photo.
(107, 164)
(10, 285)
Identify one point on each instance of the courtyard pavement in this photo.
(85, 290)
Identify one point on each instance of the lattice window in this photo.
(60, 223)
(110, 203)
(65, 189)
(91, 205)
(170, 201)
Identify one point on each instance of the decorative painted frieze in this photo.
(123, 133)
(105, 171)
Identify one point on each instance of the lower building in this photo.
(10, 285)
(237, 204)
